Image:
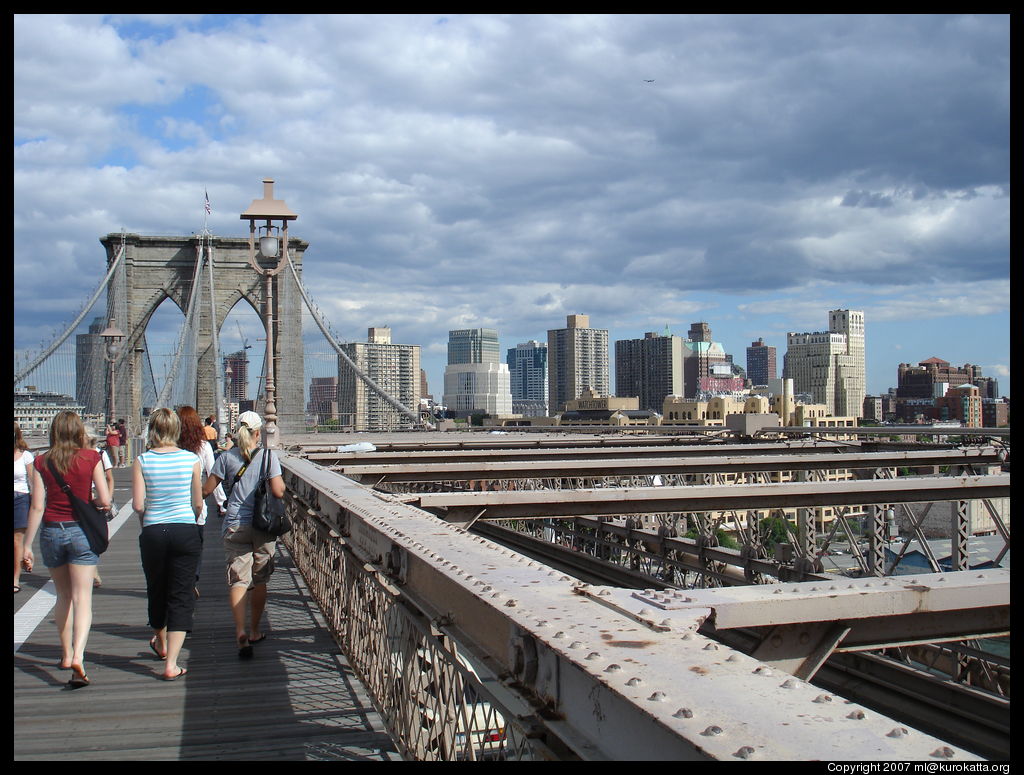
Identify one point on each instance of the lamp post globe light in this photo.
(112, 336)
(268, 261)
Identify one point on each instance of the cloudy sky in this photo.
(753, 172)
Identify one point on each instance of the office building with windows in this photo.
(473, 345)
(475, 381)
(394, 367)
(830, 365)
(577, 361)
(649, 368)
(528, 376)
(760, 363)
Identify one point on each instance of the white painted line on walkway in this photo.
(38, 607)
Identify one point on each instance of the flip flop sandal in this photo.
(244, 648)
(257, 640)
(154, 649)
(181, 672)
(78, 678)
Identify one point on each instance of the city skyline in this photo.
(487, 171)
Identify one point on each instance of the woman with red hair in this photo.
(193, 438)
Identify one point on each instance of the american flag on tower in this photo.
(207, 201)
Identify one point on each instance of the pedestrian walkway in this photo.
(297, 699)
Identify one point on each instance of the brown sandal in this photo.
(244, 647)
(78, 677)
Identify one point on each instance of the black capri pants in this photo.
(170, 556)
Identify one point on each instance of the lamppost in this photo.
(273, 245)
(112, 335)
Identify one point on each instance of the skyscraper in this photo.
(528, 375)
(323, 399)
(577, 360)
(394, 367)
(760, 362)
(830, 365)
(707, 367)
(236, 381)
(473, 345)
(91, 368)
(475, 382)
(649, 368)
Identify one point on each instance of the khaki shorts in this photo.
(249, 554)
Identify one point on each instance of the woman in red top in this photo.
(64, 547)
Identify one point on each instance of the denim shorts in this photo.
(21, 504)
(65, 544)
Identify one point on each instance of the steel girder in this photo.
(489, 469)
(656, 500)
(632, 448)
(609, 675)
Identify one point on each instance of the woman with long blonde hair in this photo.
(249, 552)
(63, 544)
(166, 493)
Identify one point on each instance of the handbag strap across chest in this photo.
(59, 479)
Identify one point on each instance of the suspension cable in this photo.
(168, 385)
(20, 376)
(394, 402)
(218, 388)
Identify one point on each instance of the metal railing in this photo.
(433, 703)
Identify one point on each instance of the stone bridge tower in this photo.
(157, 268)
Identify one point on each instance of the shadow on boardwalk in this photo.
(296, 699)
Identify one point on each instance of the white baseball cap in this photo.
(250, 420)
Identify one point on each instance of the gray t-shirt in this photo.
(242, 496)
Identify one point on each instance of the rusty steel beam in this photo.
(387, 454)
(607, 676)
(885, 430)
(528, 504)
(489, 469)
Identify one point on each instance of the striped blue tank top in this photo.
(168, 477)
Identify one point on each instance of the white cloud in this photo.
(512, 169)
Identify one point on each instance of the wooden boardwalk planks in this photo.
(295, 700)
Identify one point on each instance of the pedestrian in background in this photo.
(113, 438)
(167, 495)
(22, 464)
(211, 433)
(122, 433)
(62, 542)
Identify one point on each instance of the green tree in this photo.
(773, 531)
(724, 539)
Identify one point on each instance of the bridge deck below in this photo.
(296, 700)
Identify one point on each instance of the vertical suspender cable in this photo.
(218, 386)
(165, 391)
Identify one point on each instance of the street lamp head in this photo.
(268, 208)
(269, 242)
(112, 335)
(276, 215)
(112, 332)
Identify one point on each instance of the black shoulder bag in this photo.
(268, 512)
(92, 519)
